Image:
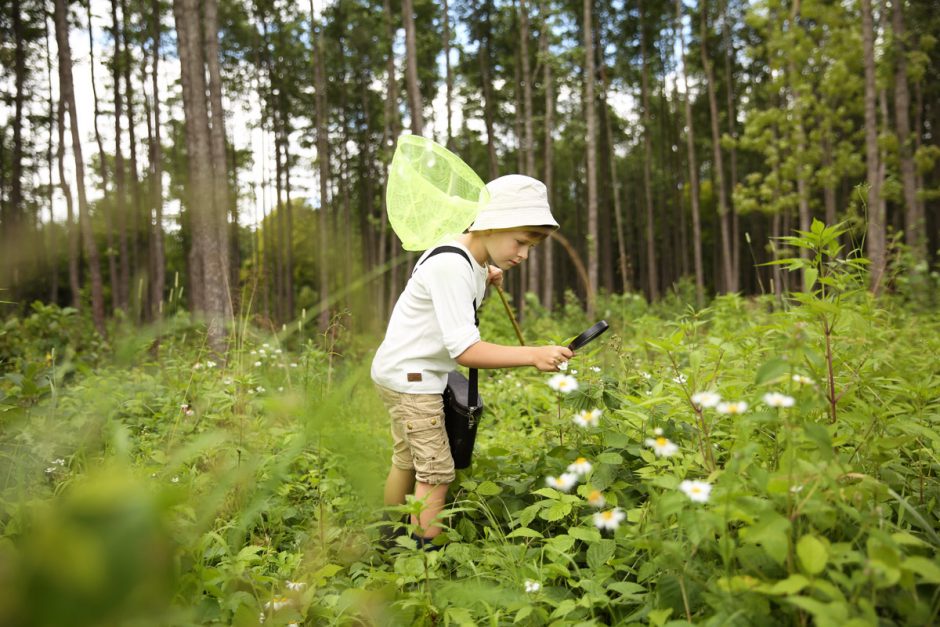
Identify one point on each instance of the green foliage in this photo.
(184, 490)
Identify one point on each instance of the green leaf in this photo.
(627, 588)
(610, 458)
(488, 488)
(555, 512)
(585, 534)
(809, 278)
(600, 552)
(790, 585)
(771, 370)
(524, 532)
(813, 554)
(927, 569)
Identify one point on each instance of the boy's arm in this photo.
(488, 355)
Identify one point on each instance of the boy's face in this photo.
(510, 248)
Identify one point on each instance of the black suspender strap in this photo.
(472, 392)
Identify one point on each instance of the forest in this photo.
(197, 264)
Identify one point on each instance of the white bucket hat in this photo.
(515, 201)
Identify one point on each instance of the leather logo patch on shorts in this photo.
(414, 376)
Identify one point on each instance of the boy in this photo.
(432, 330)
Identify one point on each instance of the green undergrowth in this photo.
(162, 486)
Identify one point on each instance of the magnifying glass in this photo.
(580, 341)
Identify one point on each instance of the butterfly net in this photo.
(432, 194)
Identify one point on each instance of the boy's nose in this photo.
(524, 252)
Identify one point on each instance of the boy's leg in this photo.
(399, 484)
(434, 496)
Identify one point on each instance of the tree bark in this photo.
(913, 215)
(802, 190)
(693, 168)
(13, 224)
(729, 280)
(590, 115)
(548, 253)
(207, 238)
(623, 263)
(876, 220)
(52, 251)
(136, 203)
(157, 255)
(652, 272)
(733, 132)
(68, 97)
(449, 80)
(220, 167)
(120, 190)
(72, 228)
(103, 169)
(411, 68)
(323, 160)
(484, 54)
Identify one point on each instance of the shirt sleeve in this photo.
(449, 281)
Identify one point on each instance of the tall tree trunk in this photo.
(913, 216)
(548, 253)
(876, 220)
(411, 68)
(207, 238)
(220, 166)
(72, 228)
(158, 255)
(802, 190)
(622, 260)
(67, 92)
(323, 160)
(652, 272)
(449, 80)
(733, 132)
(52, 250)
(590, 116)
(534, 271)
(14, 224)
(729, 280)
(484, 55)
(693, 168)
(136, 202)
(389, 137)
(108, 213)
(120, 190)
(829, 188)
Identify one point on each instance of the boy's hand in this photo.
(494, 276)
(548, 358)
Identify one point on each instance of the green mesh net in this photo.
(432, 194)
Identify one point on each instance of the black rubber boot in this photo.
(426, 544)
(391, 530)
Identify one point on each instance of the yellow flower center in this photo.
(594, 496)
(661, 441)
(696, 489)
(580, 460)
(607, 515)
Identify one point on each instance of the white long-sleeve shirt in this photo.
(432, 324)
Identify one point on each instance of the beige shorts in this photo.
(418, 435)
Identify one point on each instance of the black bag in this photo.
(463, 406)
(463, 409)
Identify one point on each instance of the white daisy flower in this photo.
(802, 380)
(211, 364)
(658, 431)
(698, 491)
(646, 375)
(574, 372)
(293, 365)
(257, 364)
(261, 618)
(563, 366)
(596, 499)
(680, 379)
(586, 418)
(734, 407)
(278, 351)
(662, 446)
(175, 480)
(706, 399)
(595, 369)
(563, 482)
(563, 383)
(50, 470)
(580, 466)
(260, 389)
(277, 603)
(776, 399)
(197, 367)
(532, 586)
(266, 345)
(254, 352)
(280, 388)
(295, 585)
(610, 519)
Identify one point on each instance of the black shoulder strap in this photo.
(472, 392)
